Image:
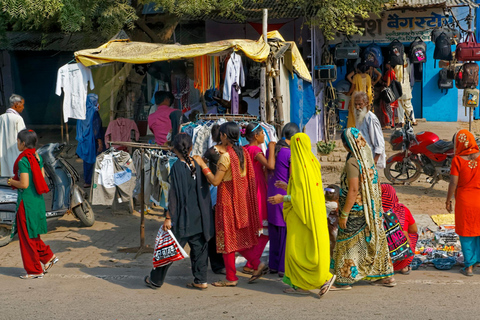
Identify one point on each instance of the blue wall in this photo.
(437, 106)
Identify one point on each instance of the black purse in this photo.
(397, 242)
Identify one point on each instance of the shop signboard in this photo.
(397, 24)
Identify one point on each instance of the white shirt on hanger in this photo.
(234, 73)
(74, 78)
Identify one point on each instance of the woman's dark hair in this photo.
(362, 67)
(288, 131)
(182, 143)
(231, 130)
(29, 137)
(251, 130)
(216, 133)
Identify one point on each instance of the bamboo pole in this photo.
(278, 94)
(263, 71)
(270, 96)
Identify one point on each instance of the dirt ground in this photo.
(93, 280)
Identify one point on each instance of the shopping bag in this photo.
(397, 242)
(167, 249)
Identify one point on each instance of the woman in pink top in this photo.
(256, 136)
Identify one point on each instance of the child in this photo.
(256, 136)
(189, 214)
(332, 193)
(31, 218)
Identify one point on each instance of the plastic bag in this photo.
(167, 249)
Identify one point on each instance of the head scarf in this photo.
(465, 143)
(305, 185)
(37, 176)
(369, 186)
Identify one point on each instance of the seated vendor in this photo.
(159, 122)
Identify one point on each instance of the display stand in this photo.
(143, 248)
(228, 117)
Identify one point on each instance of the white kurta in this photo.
(371, 130)
(10, 125)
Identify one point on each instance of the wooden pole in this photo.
(278, 94)
(142, 199)
(270, 104)
(66, 131)
(263, 71)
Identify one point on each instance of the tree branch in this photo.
(142, 25)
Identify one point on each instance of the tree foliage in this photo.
(109, 16)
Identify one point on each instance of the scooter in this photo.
(64, 197)
(422, 152)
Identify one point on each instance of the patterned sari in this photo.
(361, 252)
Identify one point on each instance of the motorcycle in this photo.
(422, 152)
(64, 197)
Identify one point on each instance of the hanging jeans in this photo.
(34, 251)
(235, 101)
(88, 172)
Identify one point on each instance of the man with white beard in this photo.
(369, 125)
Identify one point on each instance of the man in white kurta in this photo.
(369, 126)
(11, 123)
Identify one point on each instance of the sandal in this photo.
(32, 276)
(409, 269)
(193, 285)
(340, 288)
(465, 272)
(247, 270)
(260, 272)
(149, 283)
(326, 286)
(390, 283)
(223, 283)
(296, 291)
(50, 264)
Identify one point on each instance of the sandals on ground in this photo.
(382, 282)
(32, 276)
(296, 291)
(340, 288)
(247, 270)
(260, 272)
(409, 269)
(223, 283)
(326, 286)
(193, 285)
(465, 272)
(50, 264)
(149, 283)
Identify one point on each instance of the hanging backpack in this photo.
(418, 51)
(395, 53)
(373, 56)
(444, 82)
(452, 34)
(467, 76)
(470, 98)
(347, 50)
(443, 48)
(327, 56)
(469, 50)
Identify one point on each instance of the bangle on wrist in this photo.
(168, 218)
(206, 170)
(344, 214)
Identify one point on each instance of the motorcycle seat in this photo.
(441, 146)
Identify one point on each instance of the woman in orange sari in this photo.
(465, 184)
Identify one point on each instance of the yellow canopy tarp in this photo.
(127, 51)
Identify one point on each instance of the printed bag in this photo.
(418, 51)
(347, 50)
(397, 242)
(167, 249)
(373, 56)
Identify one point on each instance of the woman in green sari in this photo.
(361, 252)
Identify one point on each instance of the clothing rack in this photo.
(142, 146)
(228, 117)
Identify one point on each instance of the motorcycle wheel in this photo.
(394, 171)
(5, 236)
(85, 213)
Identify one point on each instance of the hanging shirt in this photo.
(73, 79)
(10, 125)
(121, 130)
(234, 74)
(160, 124)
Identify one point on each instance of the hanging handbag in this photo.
(467, 76)
(326, 73)
(397, 241)
(468, 50)
(347, 50)
(470, 98)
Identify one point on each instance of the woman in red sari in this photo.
(465, 186)
(408, 224)
(237, 224)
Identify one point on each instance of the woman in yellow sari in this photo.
(361, 82)
(307, 253)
